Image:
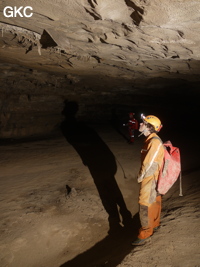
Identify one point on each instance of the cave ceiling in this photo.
(121, 44)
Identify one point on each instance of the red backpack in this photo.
(171, 169)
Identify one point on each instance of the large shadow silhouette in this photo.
(99, 159)
(116, 123)
(96, 155)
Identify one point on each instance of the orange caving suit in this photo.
(152, 155)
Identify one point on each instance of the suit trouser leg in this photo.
(150, 218)
(157, 212)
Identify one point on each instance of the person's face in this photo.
(143, 128)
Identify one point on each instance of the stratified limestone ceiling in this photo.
(98, 53)
(116, 38)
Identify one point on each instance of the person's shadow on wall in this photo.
(99, 159)
(117, 125)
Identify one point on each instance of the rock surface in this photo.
(96, 52)
(95, 60)
(43, 224)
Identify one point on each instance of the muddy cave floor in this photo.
(54, 197)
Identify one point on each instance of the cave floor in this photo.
(58, 199)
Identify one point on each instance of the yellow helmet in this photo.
(154, 121)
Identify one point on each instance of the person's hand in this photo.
(139, 178)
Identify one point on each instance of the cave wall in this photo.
(32, 101)
(106, 55)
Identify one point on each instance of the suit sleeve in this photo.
(149, 164)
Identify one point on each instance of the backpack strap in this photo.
(156, 137)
